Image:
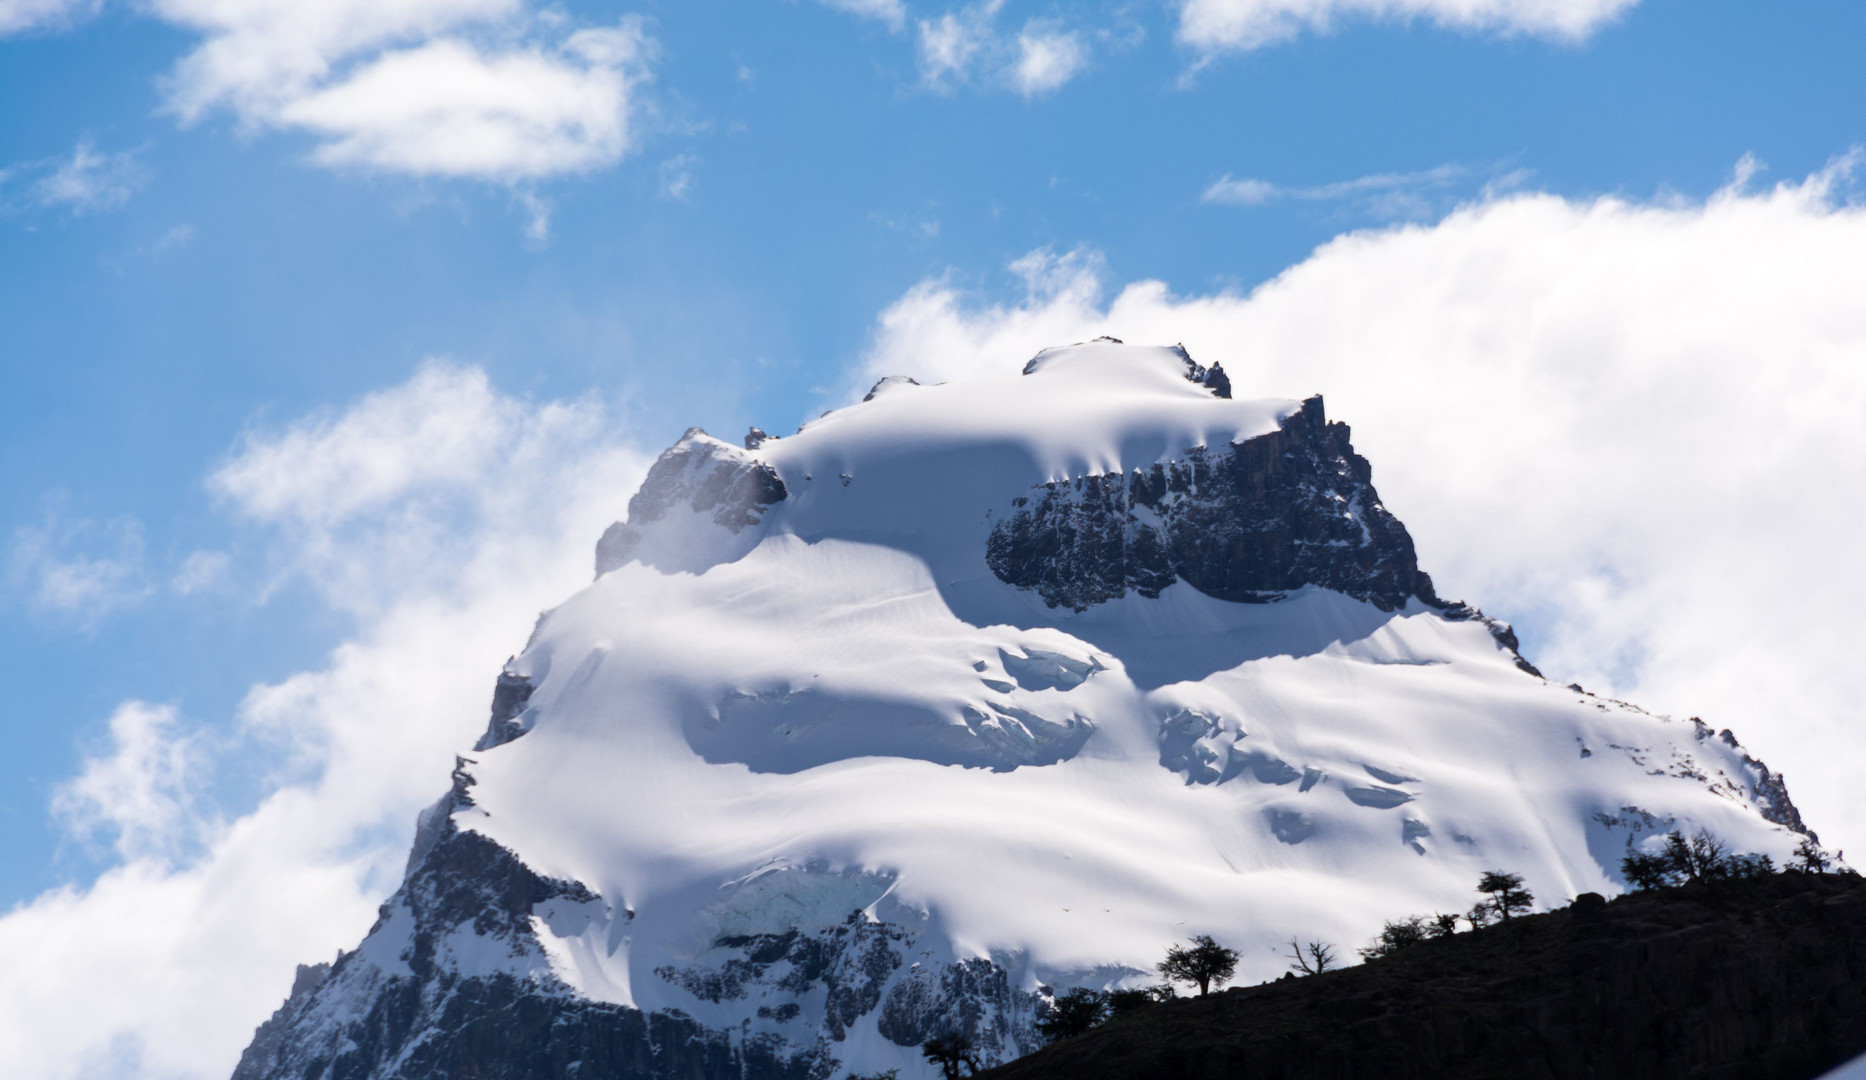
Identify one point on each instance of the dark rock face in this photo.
(1771, 787)
(702, 475)
(418, 1018)
(858, 967)
(509, 697)
(400, 1007)
(1249, 522)
(1762, 979)
(972, 998)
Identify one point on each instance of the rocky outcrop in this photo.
(509, 697)
(698, 475)
(454, 981)
(1762, 979)
(1771, 787)
(1249, 522)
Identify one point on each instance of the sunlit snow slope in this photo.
(963, 695)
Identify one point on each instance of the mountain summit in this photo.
(958, 697)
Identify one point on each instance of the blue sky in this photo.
(191, 264)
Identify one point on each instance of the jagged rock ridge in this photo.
(1248, 523)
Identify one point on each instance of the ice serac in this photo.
(958, 697)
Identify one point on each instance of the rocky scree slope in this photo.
(958, 697)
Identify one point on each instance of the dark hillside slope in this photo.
(1762, 978)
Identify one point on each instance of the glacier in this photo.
(959, 697)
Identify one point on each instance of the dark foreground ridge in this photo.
(1760, 979)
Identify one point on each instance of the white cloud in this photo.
(89, 181)
(19, 16)
(677, 177)
(142, 790)
(1250, 192)
(81, 571)
(1634, 428)
(537, 218)
(1389, 195)
(892, 12)
(1047, 58)
(965, 45)
(1214, 26)
(444, 516)
(1244, 192)
(200, 571)
(487, 89)
(951, 45)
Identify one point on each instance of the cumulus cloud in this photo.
(19, 16)
(443, 516)
(1214, 26)
(1632, 428)
(966, 46)
(487, 89)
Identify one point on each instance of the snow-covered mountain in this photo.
(961, 696)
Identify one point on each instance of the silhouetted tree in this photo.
(1700, 858)
(1507, 895)
(1643, 871)
(1127, 1002)
(1073, 1013)
(1396, 935)
(1311, 959)
(1207, 963)
(951, 1053)
(1809, 858)
(1441, 925)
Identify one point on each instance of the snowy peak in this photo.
(696, 482)
(1242, 501)
(963, 695)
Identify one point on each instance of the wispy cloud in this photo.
(20, 16)
(80, 571)
(1386, 195)
(892, 12)
(140, 790)
(1219, 26)
(965, 45)
(677, 177)
(88, 181)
